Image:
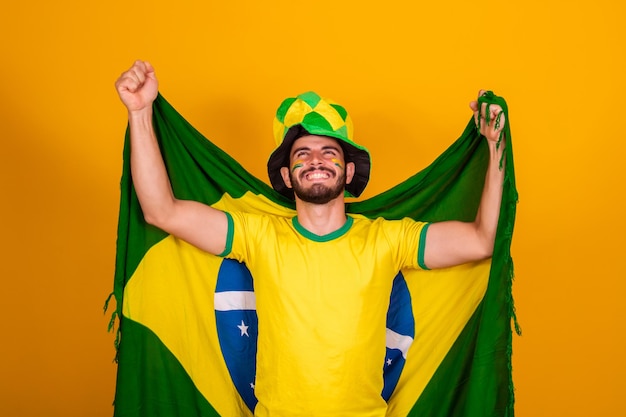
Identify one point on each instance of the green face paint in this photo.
(296, 165)
(337, 162)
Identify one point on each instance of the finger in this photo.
(138, 72)
(494, 130)
(140, 65)
(494, 109)
(500, 121)
(122, 81)
(483, 111)
(484, 118)
(128, 81)
(149, 70)
(476, 120)
(489, 111)
(496, 116)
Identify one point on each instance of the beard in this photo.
(319, 193)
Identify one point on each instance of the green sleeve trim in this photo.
(230, 232)
(422, 248)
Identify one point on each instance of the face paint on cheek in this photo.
(297, 164)
(337, 162)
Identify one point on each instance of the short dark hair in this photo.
(299, 131)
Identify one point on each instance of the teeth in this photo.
(317, 175)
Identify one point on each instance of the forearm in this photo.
(148, 171)
(486, 221)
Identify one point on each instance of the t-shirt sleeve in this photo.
(408, 237)
(244, 230)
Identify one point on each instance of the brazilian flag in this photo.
(187, 320)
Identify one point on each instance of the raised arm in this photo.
(452, 242)
(196, 223)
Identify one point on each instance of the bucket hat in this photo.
(322, 117)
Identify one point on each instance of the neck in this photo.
(322, 219)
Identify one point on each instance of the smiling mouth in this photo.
(317, 174)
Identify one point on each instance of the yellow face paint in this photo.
(337, 162)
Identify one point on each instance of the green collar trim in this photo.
(323, 238)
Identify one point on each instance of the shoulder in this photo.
(382, 223)
(390, 229)
(250, 221)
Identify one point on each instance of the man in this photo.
(323, 277)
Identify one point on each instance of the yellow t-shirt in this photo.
(321, 304)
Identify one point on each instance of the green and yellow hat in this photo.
(320, 117)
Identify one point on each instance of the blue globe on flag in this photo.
(237, 329)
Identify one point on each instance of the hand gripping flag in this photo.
(187, 320)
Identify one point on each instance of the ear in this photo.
(284, 172)
(349, 172)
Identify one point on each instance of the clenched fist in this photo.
(138, 87)
(490, 130)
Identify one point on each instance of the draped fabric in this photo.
(187, 319)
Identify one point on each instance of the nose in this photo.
(316, 159)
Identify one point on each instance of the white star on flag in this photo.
(243, 328)
(389, 362)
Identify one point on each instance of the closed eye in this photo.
(330, 150)
(300, 151)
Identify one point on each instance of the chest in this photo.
(335, 271)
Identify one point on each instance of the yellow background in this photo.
(404, 69)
